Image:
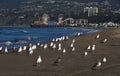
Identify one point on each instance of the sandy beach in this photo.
(73, 63)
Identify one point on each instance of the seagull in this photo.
(98, 64)
(105, 40)
(57, 61)
(89, 47)
(78, 34)
(60, 39)
(53, 39)
(59, 48)
(38, 44)
(51, 44)
(45, 46)
(93, 48)
(25, 48)
(71, 45)
(59, 45)
(6, 50)
(30, 48)
(104, 60)
(67, 37)
(85, 54)
(56, 40)
(73, 40)
(34, 47)
(98, 36)
(20, 49)
(63, 38)
(41, 45)
(64, 51)
(30, 44)
(39, 60)
(73, 49)
(30, 52)
(54, 46)
(1, 48)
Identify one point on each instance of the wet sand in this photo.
(73, 63)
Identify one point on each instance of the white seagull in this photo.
(98, 64)
(98, 36)
(78, 34)
(67, 37)
(56, 40)
(45, 46)
(41, 45)
(104, 60)
(30, 48)
(53, 39)
(73, 40)
(39, 60)
(85, 54)
(1, 48)
(89, 47)
(51, 44)
(54, 46)
(25, 48)
(30, 52)
(71, 45)
(34, 47)
(63, 38)
(59, 45)
(93, 48)
(64, 51)
(20, 49)
(105, 40)
(30, 44)
(38, 44)
(73, 49)
(6, 50)
(59, 48)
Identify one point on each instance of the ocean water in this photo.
(19, 36)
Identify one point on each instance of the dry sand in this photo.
(73, 63)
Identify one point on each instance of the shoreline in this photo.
(27, 42)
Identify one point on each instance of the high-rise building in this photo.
(91, 11)
(60, 19)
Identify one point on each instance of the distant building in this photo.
(74, 22)
(45, 18)
(117, 11)
(60, 19)
(91, 11)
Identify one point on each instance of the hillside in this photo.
(15, 3)
(22, 12)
